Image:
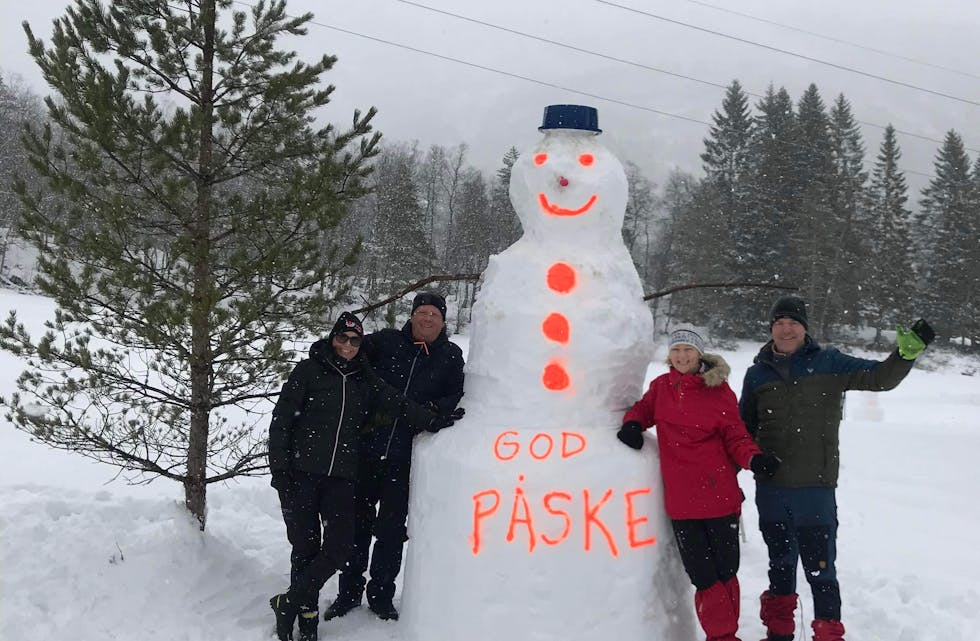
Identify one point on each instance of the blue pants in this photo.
(799, 524)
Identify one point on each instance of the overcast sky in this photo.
(437, 100)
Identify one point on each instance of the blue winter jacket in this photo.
(792, 405)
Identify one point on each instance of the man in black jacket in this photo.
(420, 361)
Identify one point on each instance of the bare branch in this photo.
(679, 288)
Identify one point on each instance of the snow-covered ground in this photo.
(87, 558)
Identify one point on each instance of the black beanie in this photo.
(347, 322)
(430, 298)
(789, 307)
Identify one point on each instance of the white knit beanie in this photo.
(686, 336)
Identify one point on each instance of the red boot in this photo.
(778, 614)
(827, 630)
(734, 595)
(718, 617)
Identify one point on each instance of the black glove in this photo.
(281, 479)
(631, 433)
(440, 422)
(924, 331)
(765, 465)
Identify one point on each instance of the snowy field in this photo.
(89, 558)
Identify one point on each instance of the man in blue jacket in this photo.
(420, 361)
(791, 402)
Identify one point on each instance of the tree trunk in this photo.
(195, 484)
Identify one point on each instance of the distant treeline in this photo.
(787, 197)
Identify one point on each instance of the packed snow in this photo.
(537, 492)
(89, 558)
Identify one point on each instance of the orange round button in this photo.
(561, 278)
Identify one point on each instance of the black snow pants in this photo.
(381, 511)
(709, 549)
(318, 511)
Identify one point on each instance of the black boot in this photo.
(307, 621)
(286, 612)
(344, 603)
(385, 610)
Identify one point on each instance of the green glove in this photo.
(909, 343)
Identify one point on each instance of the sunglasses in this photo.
(355, 341)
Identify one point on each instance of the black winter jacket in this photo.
(429, 374)
(324, 407)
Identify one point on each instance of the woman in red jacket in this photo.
(702, 443)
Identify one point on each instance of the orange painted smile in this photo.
(555, 210)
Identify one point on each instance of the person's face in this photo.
(788, 335)
(426, 323)
(346, 345)
(685, 359)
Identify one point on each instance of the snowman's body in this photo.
(529, 520)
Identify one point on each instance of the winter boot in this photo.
(778, 614)
(827, 630)
(307, 622)
(716, 613)
(344, 603)
(286, 612)
(385, 610)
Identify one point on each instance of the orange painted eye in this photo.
(540, 159)
(586, 160)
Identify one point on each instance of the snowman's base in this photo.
(548, 535)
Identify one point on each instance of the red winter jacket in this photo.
(701, 438)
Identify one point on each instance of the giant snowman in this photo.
(529, 520)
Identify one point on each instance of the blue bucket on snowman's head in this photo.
(571, 117)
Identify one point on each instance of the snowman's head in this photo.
(569, 187)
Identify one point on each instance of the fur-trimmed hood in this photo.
(714, 369)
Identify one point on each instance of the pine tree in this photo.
(728, 166)
(775, 198)
(700, 236)
(843, 279)
(474, 240)
(399, 246)
(887, 271)
(952, 228)
(199, 198)
(971, 311)
(815, 228)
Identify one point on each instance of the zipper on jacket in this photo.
(411, 372)
(340, 421)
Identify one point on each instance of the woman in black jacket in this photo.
(322, 410)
